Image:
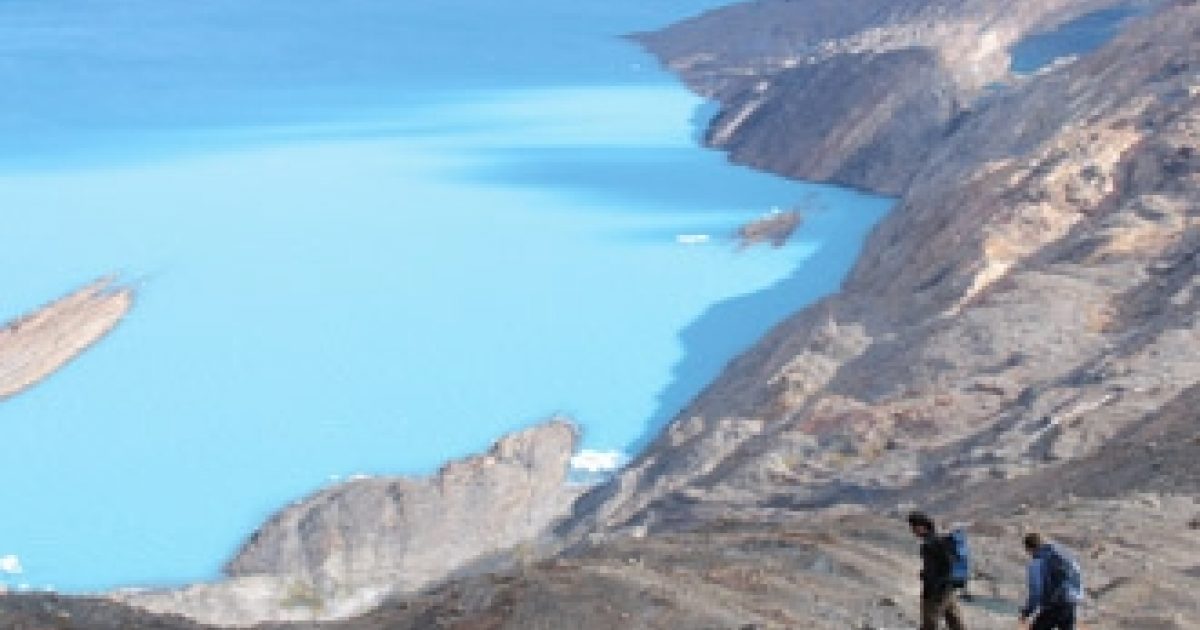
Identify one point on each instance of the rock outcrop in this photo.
(774, 228)
(342, 550)
(855, 92)
(35, 346)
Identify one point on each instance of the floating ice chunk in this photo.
(692, 239)
(10, 565)
(597, 461)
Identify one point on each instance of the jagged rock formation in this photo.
(35, 346)
(341, 550)
(850, 91)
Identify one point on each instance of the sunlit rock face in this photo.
(343, 549)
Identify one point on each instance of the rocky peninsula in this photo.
(36, 345)
(344, 549)
(1016, 349)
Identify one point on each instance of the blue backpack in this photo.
(960, 558)
(1063, 578)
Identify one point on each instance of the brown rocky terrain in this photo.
(1016, 349)
(35, 346)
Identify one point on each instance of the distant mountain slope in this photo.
(851, 91)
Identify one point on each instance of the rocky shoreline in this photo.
(1016, 348)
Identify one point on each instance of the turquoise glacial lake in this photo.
(367, 236)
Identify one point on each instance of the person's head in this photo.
(1032, 542)
(920, 524)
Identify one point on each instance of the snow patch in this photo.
(692, 239)
(598, 461)
(11, 565)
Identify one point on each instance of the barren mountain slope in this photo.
(780, 569)
(1030, 297)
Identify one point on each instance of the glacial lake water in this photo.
(367, 236)
(1074, 38)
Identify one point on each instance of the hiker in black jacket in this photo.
(938, 599)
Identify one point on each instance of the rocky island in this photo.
(1016, 349)
(774, 228)
(35, 346)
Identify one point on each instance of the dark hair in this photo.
(919, 519)
(1033, 541)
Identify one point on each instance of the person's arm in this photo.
(928, 570)
(1034, 599)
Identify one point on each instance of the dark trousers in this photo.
(1054, 618)
(941, 606)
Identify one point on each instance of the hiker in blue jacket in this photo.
(1055, 586)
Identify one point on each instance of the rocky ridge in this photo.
(342, 550)
(854, 92)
